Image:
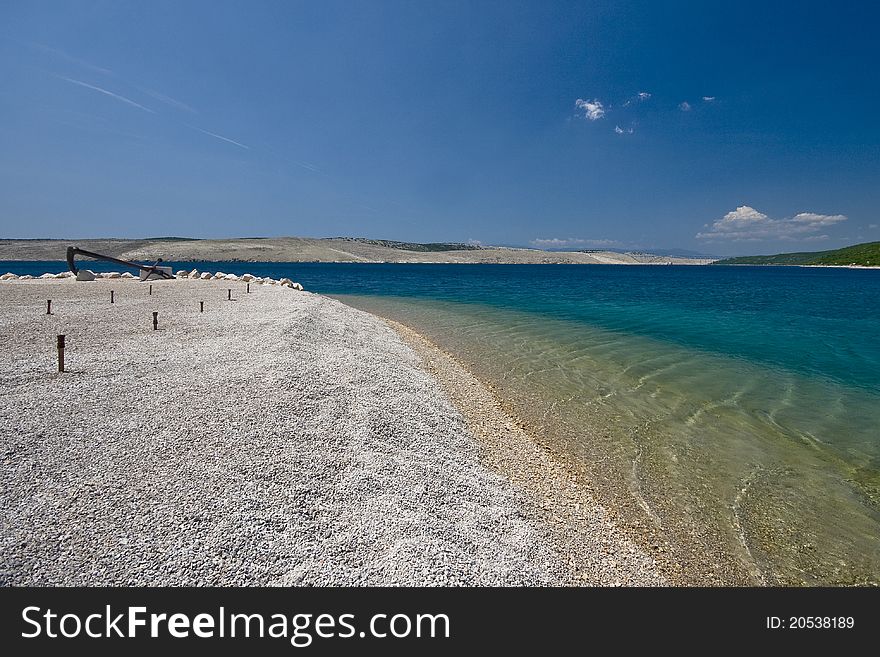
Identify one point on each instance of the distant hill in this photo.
(311, 249)
(864, 255)
(418, 247)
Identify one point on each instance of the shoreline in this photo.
(677, 556)
(554, 492)
(561, 493)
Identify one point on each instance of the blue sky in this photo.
(748, 128)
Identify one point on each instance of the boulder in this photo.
(219, 275)
(246, 278)
(230, 277)
(8, 277)
(286, 282)
(26, 277)
(85, 275)
(65, 274)
(126, 274)
(182, 274)
(205, 276)
(194, 273)
(113, 274)
(47, 275)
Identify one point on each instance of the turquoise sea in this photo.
(734, 410)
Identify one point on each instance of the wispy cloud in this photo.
(69, 58)
(748, 224)
(216, 136)
(60, 54)
(708, 99)
(559, 243)
(873, 225)
(684, 106)
(640, 97)
(593, 109)
(621, 131)
(307, 165)
(123, 99)
(168, 100)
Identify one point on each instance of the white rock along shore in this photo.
(282, 438)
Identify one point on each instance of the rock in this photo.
(286, 282)
(194, 273)
(47, 275)
(182, 274)
(230, 277)
(85, 275)
(219, 276)
(258, 279)
(65, 274)
(126, 274)
(246, 278)
(206, 276)
(113, 274)
(26, 277)
(8, 277)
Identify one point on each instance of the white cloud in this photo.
(747, 224)
(621, 131)
(873, 225)
(640, 97)
(817, 220)
(593, 109)
(708, 99)
(123, 99)
(557, 243)
(684, 106)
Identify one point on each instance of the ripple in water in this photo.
(756, 474)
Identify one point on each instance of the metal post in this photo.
(155, 320)
(151, 290)
(229, 295)
(249, 288)
(201, 306)
(60, 353)
(48, 306)
(111, 296)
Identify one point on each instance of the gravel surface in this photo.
(281, 438)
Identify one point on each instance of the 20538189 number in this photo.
(821, 622)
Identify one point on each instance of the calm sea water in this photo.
(734, 409)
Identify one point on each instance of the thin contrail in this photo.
(107, 93)
(214, 134)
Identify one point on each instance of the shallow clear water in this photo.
(734, 409)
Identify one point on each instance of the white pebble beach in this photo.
(281, 438)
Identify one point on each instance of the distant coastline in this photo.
(857, 256)
(303, 249)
